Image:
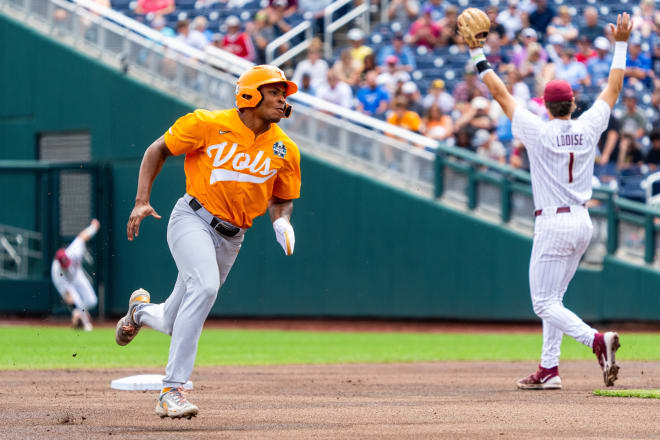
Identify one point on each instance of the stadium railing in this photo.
(330, 26)
(356, 141)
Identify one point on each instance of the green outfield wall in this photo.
(363, 248)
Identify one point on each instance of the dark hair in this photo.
(560, 108)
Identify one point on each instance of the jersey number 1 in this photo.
(571, 159)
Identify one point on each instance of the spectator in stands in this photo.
(655, 104)
(591, 29)
(399, 49)
(511, 19)
(585, 51)
(438, 96)
(437, 124)
(449, 27)
(653, 156)
(535, 70)
(633, 121)
(630, 153)
(237, 42)
(540, 19)
(159, 24)
(519, 158)
(305, 84)
(402, 116)
(262, 31)
(336, 91)
(160, 7)
(403, 11)
(528, 37)
(347, 69)
(646, 19)
(373, 99)
(183, 31)
(475, 117)
(555, 47)
(437, 7)
(638, 64)
(199, 36)
(518, 89)
(280, 9)
(410, 91)
(495, 27)
(497, 57)
(571, 70)
(393, 75)
(314, 65)
(608, 146)
(424, 32)
(487, 147)
(599, 66)
(358, 49)
(466, 90)
(368, 66)
(562, 25)
(655, 59)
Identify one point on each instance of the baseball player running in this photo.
(561, 153)
(238, 164)
(70, 280)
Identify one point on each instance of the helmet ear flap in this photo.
(287, 110)
(247, 97)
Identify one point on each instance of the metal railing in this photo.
(349, 138)
(20, 251)
(330, 26)
(207, 79)
(305, 28)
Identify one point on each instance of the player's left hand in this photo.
(284, 234)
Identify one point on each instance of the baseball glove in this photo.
(473, 26)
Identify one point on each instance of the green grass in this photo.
(54, 347)
(644, 394)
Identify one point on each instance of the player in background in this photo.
(561, 153)
(238, 164)
(70, 280)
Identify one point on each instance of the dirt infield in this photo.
(395, 401)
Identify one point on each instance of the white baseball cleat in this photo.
(127, 328)
(174, 404)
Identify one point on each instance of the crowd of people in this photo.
(530, 43)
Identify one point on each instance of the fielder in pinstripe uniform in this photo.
(561, 153)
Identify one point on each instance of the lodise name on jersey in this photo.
(567, 140)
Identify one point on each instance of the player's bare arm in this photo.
(473, 26)
(90, 230)
(621, 33)
(152, 162)
(280, 214)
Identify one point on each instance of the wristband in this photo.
(619, 57)
(480, 62)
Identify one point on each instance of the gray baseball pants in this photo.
(204, 259)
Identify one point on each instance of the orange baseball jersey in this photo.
(232, 173)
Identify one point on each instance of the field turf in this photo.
(26, 347)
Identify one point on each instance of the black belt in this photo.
(220, 226)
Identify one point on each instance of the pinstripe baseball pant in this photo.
(560, 240)
(204, 259)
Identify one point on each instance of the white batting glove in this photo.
(284, 234)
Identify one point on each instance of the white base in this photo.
(143, 382)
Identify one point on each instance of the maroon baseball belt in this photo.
(560, 210)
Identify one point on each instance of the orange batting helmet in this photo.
(247, 86)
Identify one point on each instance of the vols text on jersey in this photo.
(229, 170)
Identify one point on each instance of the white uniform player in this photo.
(70, 280)
(562, 153)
